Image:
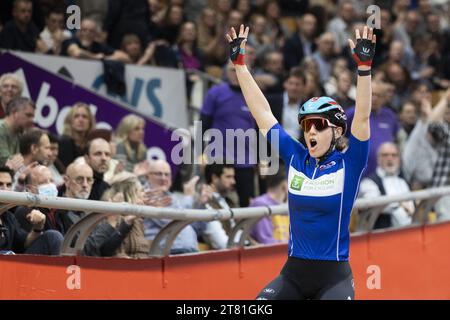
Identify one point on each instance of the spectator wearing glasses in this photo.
(388, 180)
(14, 239)
(158, 195)
(78, 184)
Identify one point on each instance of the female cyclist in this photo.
(322, 181)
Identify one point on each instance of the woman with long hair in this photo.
(78, 123)
(131, 148)
(120, 236)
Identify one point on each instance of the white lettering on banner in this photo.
(56, 116)
(21, 75)
(44, 100)
(326, 185)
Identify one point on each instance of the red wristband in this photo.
(361, 63)
(240, 60)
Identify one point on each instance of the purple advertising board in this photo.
(54, 95)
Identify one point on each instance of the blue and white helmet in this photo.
(324, 107)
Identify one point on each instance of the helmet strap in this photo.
(331, 148)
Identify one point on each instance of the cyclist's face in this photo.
(318, 141)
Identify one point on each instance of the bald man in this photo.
(78, 181)
(18, 240)
(159, 175)
(78, 184)
(38, 181)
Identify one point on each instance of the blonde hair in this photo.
(12, 76)
(126, 125)
(71, 114)
(124, 183)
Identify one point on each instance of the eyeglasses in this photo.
(389, 155)
(319, 123)
(80, 180)
(160, 174)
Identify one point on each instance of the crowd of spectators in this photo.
(296, 50)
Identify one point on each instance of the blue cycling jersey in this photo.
(321, 196)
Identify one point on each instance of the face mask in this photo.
(48, 190)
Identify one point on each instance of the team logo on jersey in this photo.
(324, 185)
(297, 183)
(327, 166)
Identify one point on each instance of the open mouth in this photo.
(313, 143)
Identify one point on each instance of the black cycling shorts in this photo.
(302, 279)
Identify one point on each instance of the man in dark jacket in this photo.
(21, 33)
(14, 239)
(78, 184)
(301, 44)
(285, 105)
(98, 158)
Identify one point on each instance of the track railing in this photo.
(74, 240)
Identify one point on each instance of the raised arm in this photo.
(437, 113)
(363, 54)
(256, 101)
